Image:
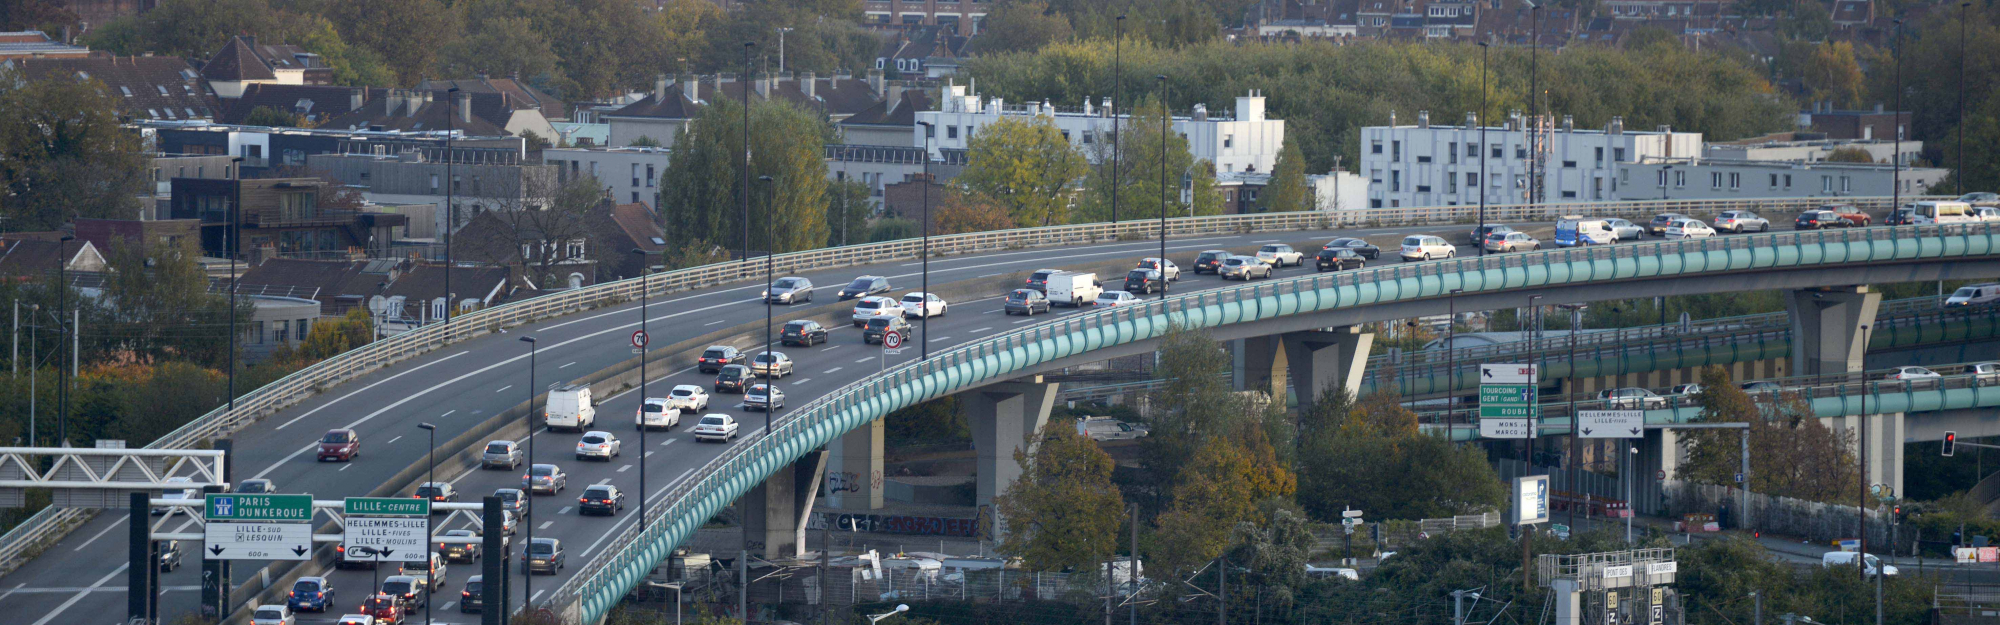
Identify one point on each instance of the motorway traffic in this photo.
(465, 384)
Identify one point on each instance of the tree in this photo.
(501, 46)
(1849, 155)
(1020, 26)
(1276, 553)
(1371, 456)
(699, 190)
(535, 229)
(267, 116)
(1194, 405)
(1287, 191)
(1063, 512)
(408, 34)
(189, 28)
(352, 66)
(1791, 453)
(959, 211)
(1138, 174)
(1830, 73)
(43, 15)
(63, 154)
(847, 209)
(158, 299)
(1028, 166)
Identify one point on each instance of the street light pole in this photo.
(747, 47)
(63, 358)
(1896, 158)
(1575, 326)
(430, 526)
(1961, 96)
(770, 359)
(924, 338)
(645, 279)
(1483, 149)
(1166, 115)
(1117, 104)
(528, 573)
(450, 209)
(1451, 350)
(1861, 510)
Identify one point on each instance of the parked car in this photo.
(413, 593)
(1741, 221)
(1173, 271)
(1632, 399)
(460, 546)
(1027, 302)
(1244, 268)
(1974, 295)
(874, 306)
(1114, 299)
(170, 555)
(384, 608)
(715, 427)
(1479, 233)
(1209, 261)
(502, 454)
(1855, 217)
(771, 365)
(544, 478)
(803, 333)
(1625, 230)
(437, 492)
(656, 412)
(920, 304)
(1039, 280)
(545, 555)
(872, 333)
(790, 290)
(1280, 255)
(272, 615)
(688, 398)
(340, 444)
(763, 397)
(602, 499)
(256, 487)
(718, 357)
(1819, 219)
(864, 286)
(1658, 226)
(310, 593)
(600, 445)
(1426, 247)
(732, 378)
(1511, 242)
(473, 597)
(1338, 259)
(1911, 373)
(1364, 248)
(1144, 281)
(1688, 229)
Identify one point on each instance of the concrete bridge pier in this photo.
(854, 480)
(1259, 365)
(1005, 417)
(1316, 360)
(1886, 435)
(1658, 459)
(775, 512)
(1826, 328)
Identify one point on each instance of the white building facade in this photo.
(1732, 179)
(628, 174)
(1426, 165)
(1245, 141)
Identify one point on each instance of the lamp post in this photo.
(1534, 100)
(1451, 350)
(1117, 100)
(1483, 149)
(1575, 326)
(1861, 509)
(450, 211)
(527, 576)
(900, 608)
(63, 358)
(1896, 158)
(430, 526)
(747, 47)
(1166, 115)
(924, 338)
(1961, 96)
(770, 359)
(645, 279)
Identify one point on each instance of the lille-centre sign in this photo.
(387, 506)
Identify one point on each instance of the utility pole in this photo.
(743, 585)
(1132, 574)
(1222, 589)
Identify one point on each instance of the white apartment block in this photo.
(1426, 165)
(1243, 142)
(628, 174)
(1814, 151)
(1730, 179)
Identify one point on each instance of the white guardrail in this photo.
(52, 523)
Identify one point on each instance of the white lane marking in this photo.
(53, 590)
(393, 440)
(716, 322)
(982, 329)
(618, 527)
(829, 371)
(803, 381)
(363, 389)
(1267, 241)
(537, 595)
(670, 441)
(447, 413)
(620, 470)
(79, 596)
(344, 466)
(543, 526)
(990, 312)
(830, 349)
(649, 454)
(944, 338)
(991, 274)
(863, 360)
(10, 591)
(564, 510)
(561, 367)
(100, 534)
(447, 605)
(1030, 318)
(599, 483)
(503, 388)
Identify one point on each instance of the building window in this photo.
(1395, 151)
(1395, 181)
(1423, 188)
(1472, 180)
(300, 328)
(635, 174)
(1228, 141)
(1423, 159)
(1471, 150)
(1497, 151)
(434, 184)
(1774, 181)
(1788, 181)
(1663, 179)
(283, 332)
(1451, 183)
(1600, 157)
(1375, 147)
(1618, 154)
(1845, 184)
(574, 250)
(930, 131)
(1375, 176)
(1680, 179)
(951, 132)
(1374, 203)
(260, 333)
(1569, 195)
(1715, 180)
(1087, 136)
(651, 178)
(635, 197)
(1569, 164)
(1452, 156)
(1826, 184)
(1520, 151)
(1735, 180)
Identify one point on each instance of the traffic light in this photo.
(1950, 441)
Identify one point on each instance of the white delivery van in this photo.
(1871, 564)
(1974, 295)
(1574, 230)
(569, 408)
(1072, 288)
(1943, 212)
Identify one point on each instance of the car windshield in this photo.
(914, 298)
(1039, 276)
(786, 283)
(715, 353)
(797, 326)
(496, 448)
(253, 486)
(1965, 292)
(1271, 248)
(428, 491)
(654, 407)
(764, 358)
(1346, 242)
(1018, 296)
(593, 440)
(715, 421)
(758, 389)
(1497, 236)
(269, 614)
(338, 437)
(861, 283)
(305, 586)
(508, 495)
(541, 548)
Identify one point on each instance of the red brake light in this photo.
(583, 501)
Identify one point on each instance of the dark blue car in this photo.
(310, 593)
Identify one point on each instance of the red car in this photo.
(1855, 216)
(387, 609)
(342, 444)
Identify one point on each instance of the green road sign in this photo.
(241, 507)
(388, 506)
(1498, 401)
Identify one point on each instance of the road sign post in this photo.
(386, 529)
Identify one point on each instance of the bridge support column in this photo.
(1323, 360)
(1005, 417)
(1886, 433)
(1260, 365)
(1658, 459)
(1826, 328)
(775, 512)
(855, 480)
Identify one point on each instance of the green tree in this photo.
(267, 116)
(1791, 453)
(500, 47)
(847, 209)
(64, 156)
(1139, 174)
(959, 211)
(352, 66)
(190, 28)
(1849, 155)
(1276, 552)
(1371, 456)
(1028, 166)
(1287, 191)
(408, 34)
(156, 295)
(1063, 512)
(700, 190)
(1020, 26)
(1194, 405)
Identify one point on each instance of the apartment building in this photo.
(630, 174)
(1245, 141)
(1729, 179)
(1427, 165)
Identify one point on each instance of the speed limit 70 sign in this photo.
(892, 340)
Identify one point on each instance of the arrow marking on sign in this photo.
(298, 551)
(217, 550)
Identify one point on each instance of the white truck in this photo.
(569, 408)
(1071, 288)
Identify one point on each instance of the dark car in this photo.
(464, 548)
(170, 555)
(1479, 232)
(413, 593)
(1819, 219)
(1026, 302)
(387, 609)
(1210, 261)
(310, 593)
(342, 444)
(1359, 246)
(473, 598)
(1141, 281)
(1900, 217)
(716, 357)
(873, 331)
(864, 286)
(733, 378)
(256, 487)
(513, 500)
(1338, 259)
(804, 332)
(1039, 280)
(602, 499)
(544, 555)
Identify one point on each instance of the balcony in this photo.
(318, 218)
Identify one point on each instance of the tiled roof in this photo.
(903, 114)
(519, 94)
(36, 43)
(148, 87)
(424, 282)
(671, 105)
(639, 224)
(313, 103)
(244, 59)
(34, 256)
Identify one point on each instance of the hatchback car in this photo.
(1426, 247)
(864, 286)
(1210, 261)
(170, 555)
(763, 397)
(715, 427)
(1658, 226)
(1029, 301)
(716, 357)
(1338, 259)
(1819, 220)
(802, 332)
(1688, 229)
(256, 487)
(1855, 217)
(1172, 270)
(545, 555)
(406, 587)
(600, 445)
(1480, 233)
(1741, 222)
(1244, 268)
(501, 454)
(341, 444)
(656, 413)
(688, 398)
(1981, 198)
(1144, 281)
(384, 608)
(513, 500)
(603, 499)
(872, 307)
(1984, 371)
(1685, 389)
(459, 546)
(1039, 280)
(473, 597)
(272, 615)
(1625, 230)
(732, 379)
(310, 593)
(355, 619)
(872, 333)
(1511, 242)
(790, 290)
(1911, 373)
(1364, 248)
(771, 365)
(1114, 299)
(922, 304)
(544, 478)
(1280, 255)
(1632, 399)
(437, 492)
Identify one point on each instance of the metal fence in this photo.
(599, 583)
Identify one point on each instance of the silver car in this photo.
(790, 290)
(544, 478)
(763, 397)
(1625, 230)
(771, 365)
(501, 454)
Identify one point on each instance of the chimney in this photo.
(690, 87)
(1471, 120)
(762, 81)
(1423, 119)
(418, 103)
(1617, 125)
(1878, 108)
(1514, 119)
(1569, 124)
(875, 82)
(1665, 129)
(660, 88)
(399, 100)
(895, 93)
(1392, 118)
(464, 106)
(355, 98)
(1108, 111)
(809, 84)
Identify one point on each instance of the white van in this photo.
(1574, 230)
(1943, 212)
(1974, 295)
(570, 408)
(1072, 288)
(1846, 559)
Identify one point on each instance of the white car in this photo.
(1911, 373)
(871, 307)
(771, 365)
(597, 444)
(356, 619)
(191, 495)
(1687, 229)
(921, 304)
(1280, 255)
(688, 398)
(1114, 299)
(763, 397)
(657, 412)
(1172, 271)
(715, 427)
(275, 614)
(1426, 247)
(1632, 398)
